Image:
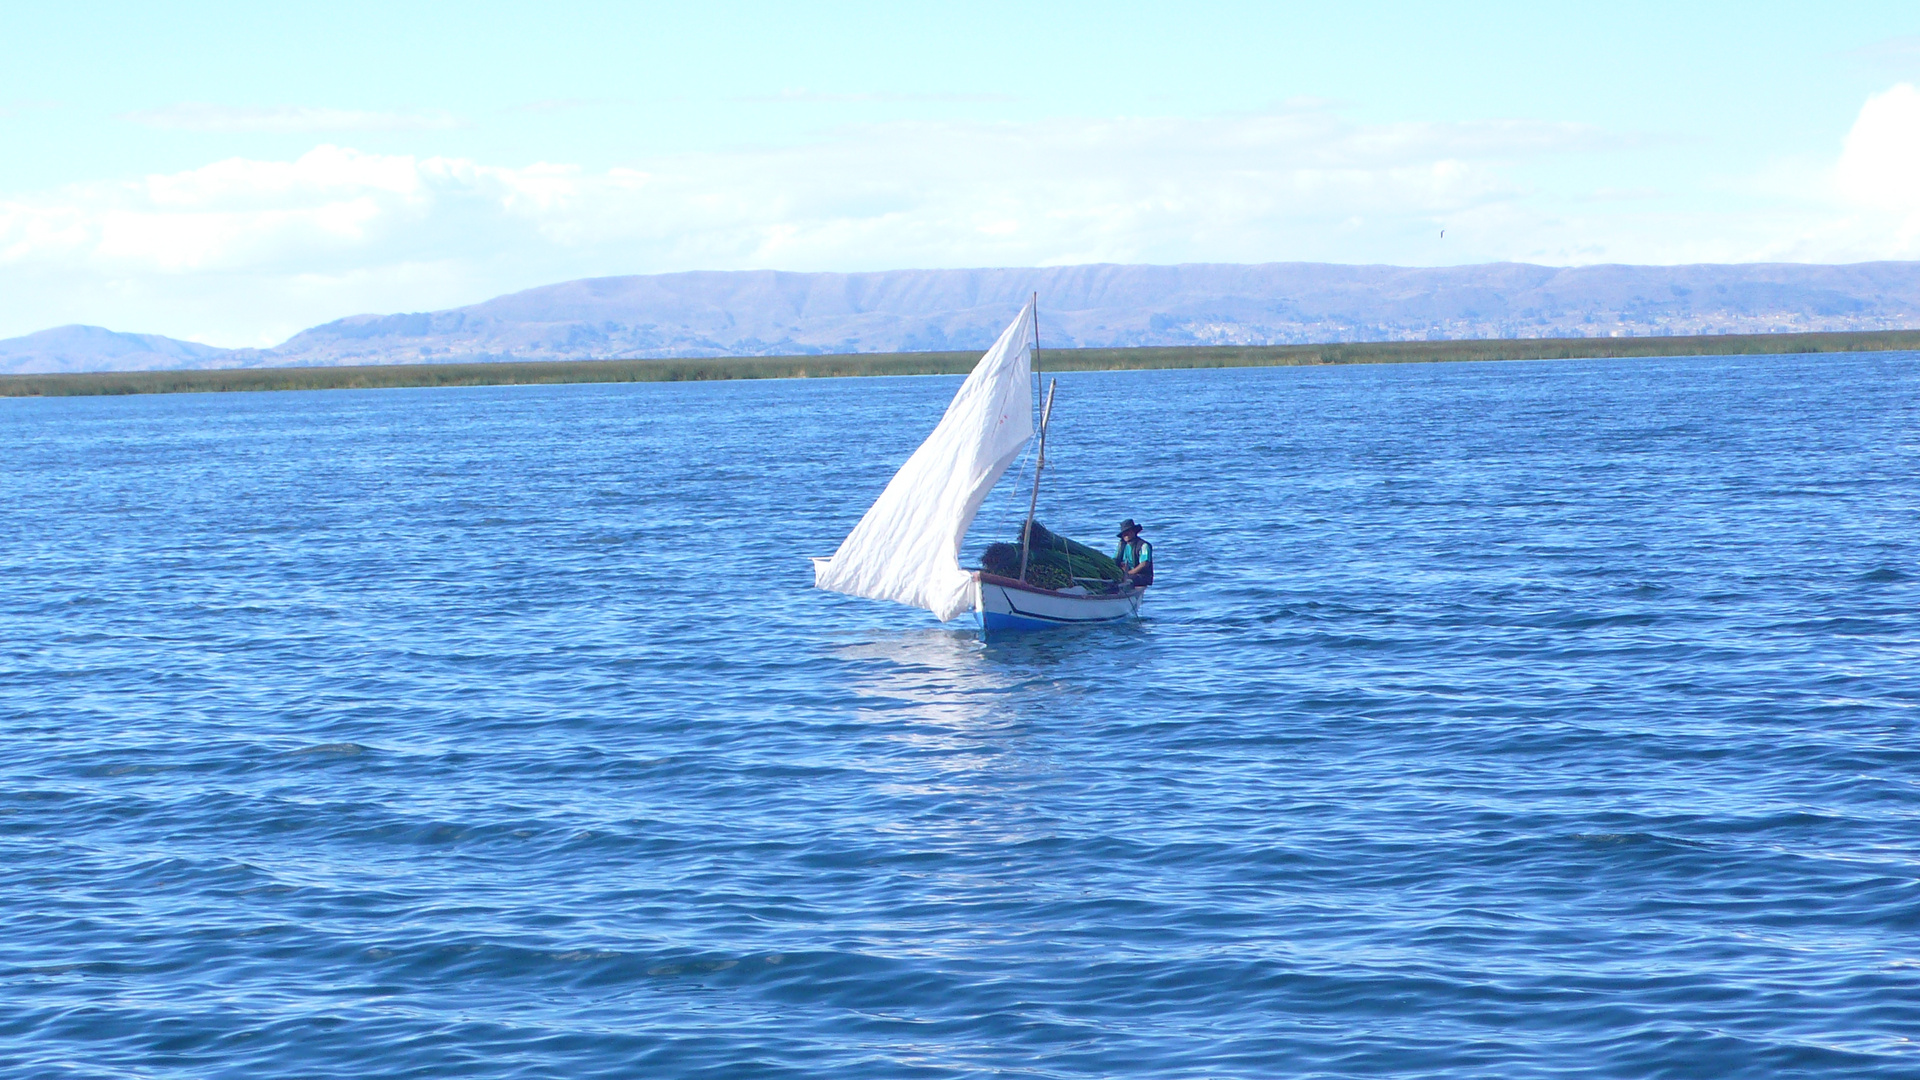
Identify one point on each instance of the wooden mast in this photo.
(1040, 461)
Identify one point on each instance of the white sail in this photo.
(907, 547)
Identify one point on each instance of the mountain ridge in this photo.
(77, 347)
(770, 312)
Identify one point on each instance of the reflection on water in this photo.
(953, 719)
(950, 676)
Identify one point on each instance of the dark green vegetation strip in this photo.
(1426, 352)
(938, 363)
(504, 373)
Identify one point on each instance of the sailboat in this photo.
(907, 546)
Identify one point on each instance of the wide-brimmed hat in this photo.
(1128, 526)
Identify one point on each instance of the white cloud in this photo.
(246, 251)
(555, 105)
(1896, 52)
(1864, 205)
(803, 96)
(1880, 162)
(286, 119)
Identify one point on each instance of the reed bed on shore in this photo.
(508, 373)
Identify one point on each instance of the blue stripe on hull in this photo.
(993, 621)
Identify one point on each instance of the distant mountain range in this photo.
(90, 348)
(765, 312)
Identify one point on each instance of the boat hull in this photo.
(1007, 605)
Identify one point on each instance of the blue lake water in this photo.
(1516, 720)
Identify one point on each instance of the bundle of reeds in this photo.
(1053, 562)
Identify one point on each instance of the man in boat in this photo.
(1135, 555)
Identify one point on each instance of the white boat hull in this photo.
(1006, 604)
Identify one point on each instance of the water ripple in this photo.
(1519, 720)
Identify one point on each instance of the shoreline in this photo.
(550, 372)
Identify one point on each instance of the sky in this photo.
(235, 173)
